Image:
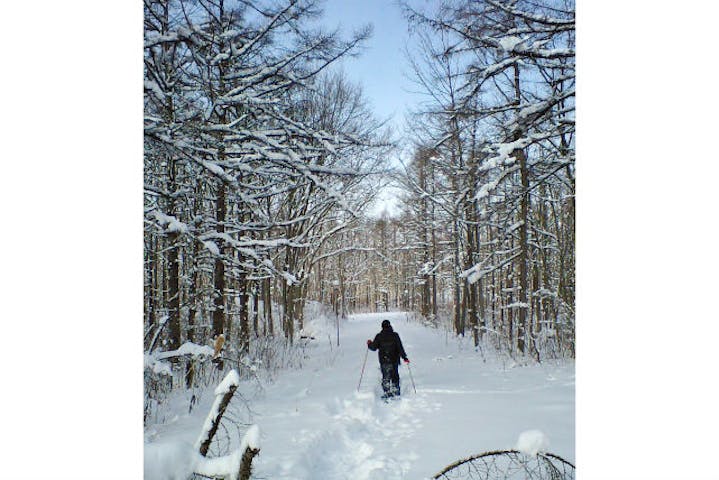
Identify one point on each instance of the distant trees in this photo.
(252, 156)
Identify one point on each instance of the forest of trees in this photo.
(484, 241)
(490, 187)
(255, 158)
(261, 161)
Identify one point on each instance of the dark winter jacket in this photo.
(389, 345)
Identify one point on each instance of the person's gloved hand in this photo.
(369, 342)
(406, 360)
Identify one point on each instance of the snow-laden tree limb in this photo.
(223, 395)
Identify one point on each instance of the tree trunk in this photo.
(458, 320)
(287, 311)
(173, 308)
(150, 290)
(218, 313)
(522, 338)
(244, 313)
(267, 309)
(471, 288)
(215, 421)
(192, 311)
(510, 310)
(342, 294)
(246, 463)
(255, 308)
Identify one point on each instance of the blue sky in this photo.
(379, 69)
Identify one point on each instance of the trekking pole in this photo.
(363, 364)
(410, 377)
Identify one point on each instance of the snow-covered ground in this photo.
(315, 424)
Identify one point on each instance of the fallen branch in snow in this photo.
(187, 349)
(500, 464)
(223, 395)
(159, 363)
(237, 465)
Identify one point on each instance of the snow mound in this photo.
(169, 461)
(532, 442)
(251, 439)
(158, 367)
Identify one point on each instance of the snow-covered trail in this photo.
(316, 424)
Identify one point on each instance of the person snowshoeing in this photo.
(390, 350)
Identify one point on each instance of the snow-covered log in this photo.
(186, 349)
(238, 464)
(223, 395)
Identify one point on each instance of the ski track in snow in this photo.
(339, 433)
(316, 425)
(354, 444)
(363, 437)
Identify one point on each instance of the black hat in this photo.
(385, 324)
